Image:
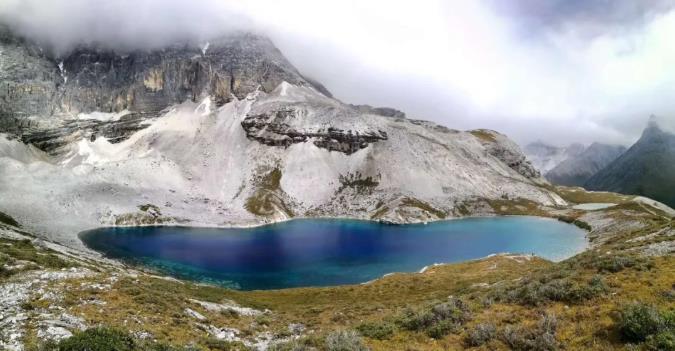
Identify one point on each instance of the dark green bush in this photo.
(638, 321)
(4, 272)
(616, 264)
(661, 341)
(571, 220)
(437, 321)
(103, 339)
(379, 331)
(98, 339)
(6, 219)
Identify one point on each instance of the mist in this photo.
(558, 71)
(61, 25)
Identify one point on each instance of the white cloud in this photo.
(459, 63)
(465, 66)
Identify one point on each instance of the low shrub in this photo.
(537, 292)
(344, 340)
(98, 339)
(615, 264)
(638, 321)
(104, 339)
(223, 345)
(437, 321)
(290, 346)
(539, 338)
(480, 335)
(379, 331)
(571, 220)
(661, 341)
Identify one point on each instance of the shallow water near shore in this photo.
(325, 252)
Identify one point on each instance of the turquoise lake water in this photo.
(323, 252)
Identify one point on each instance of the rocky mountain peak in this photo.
(656, 126)
(94, 78)
(45, 96)
(647, 168)
(577, 169)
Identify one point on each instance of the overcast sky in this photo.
(559, 70)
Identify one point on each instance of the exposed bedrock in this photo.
(272, 128)
(40, 92)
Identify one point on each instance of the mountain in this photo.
(646, 168)
(228, 133)
(545, 157)
(577, 169)
(40, 93)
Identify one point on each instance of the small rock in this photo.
(194, 314)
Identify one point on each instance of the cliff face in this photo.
(40, 93)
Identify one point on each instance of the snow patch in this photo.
(103, 116)
(204, 108)
(63, 72)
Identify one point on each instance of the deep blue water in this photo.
(325, 252)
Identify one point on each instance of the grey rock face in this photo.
(505, 150)
(29, 82)
(576, 170)
(37, 90)
(381, 111)
(151, 81)
(272, 128)
(647, 168)
(54, 139)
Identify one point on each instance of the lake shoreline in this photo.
(449, 241)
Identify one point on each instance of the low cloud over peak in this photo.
(119, 24)
(560, 70)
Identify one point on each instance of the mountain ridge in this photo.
(647, 168)
(545, 157)
(577, 169)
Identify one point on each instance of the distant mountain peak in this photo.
(647, 168)
(577, 169)
(658, 125)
